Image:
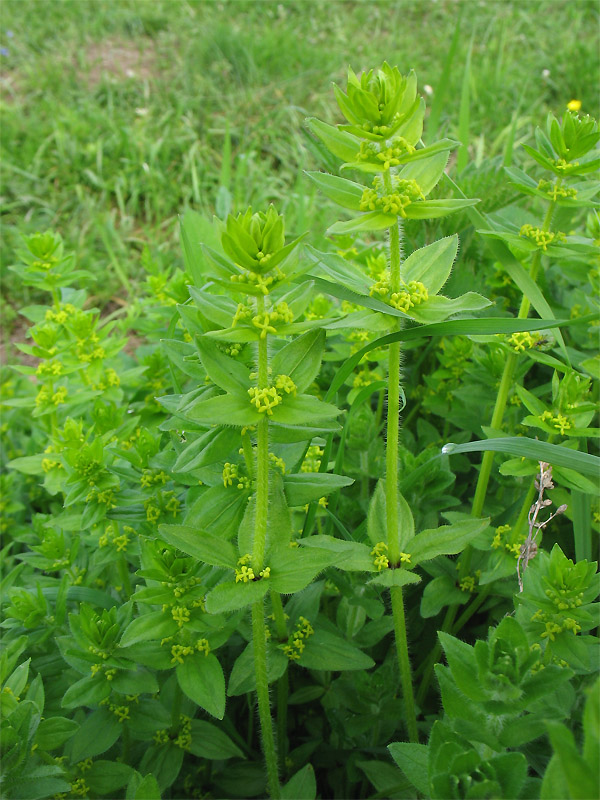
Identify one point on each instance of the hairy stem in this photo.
(391, 484)
(259, 639)
(259, 630)
(404, 662)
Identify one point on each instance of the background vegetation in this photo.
(115, 113)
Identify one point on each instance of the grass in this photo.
(115, 113)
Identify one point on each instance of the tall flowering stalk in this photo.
(384, 126)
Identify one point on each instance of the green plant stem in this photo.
(487, 462)
(505, 382)
(259, 639)
(391, 485)
(259, 628)
(404, 661)
(283, 682)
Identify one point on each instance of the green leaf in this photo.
(377, 522)
(203, 546)
(215, 445)
(439, 308)
(581, 780)
(146, 628)
(395, 577)
(292, 569)
(28, 465)
(447, 540)
(54, 732)
(303, 409)
(433, 209)
(373, 221)
(302, 786)
(97, 734)
(340, 269)
(304, 487)
(201, 679)
(467, 327)
(145, 789)
(341, 144)
(232, 596)
(432, 264)
(105, 777)
(88, 691)
(531, 448)
(440, 592)
(343, 192)
(426, 172)
(413, 760)
(329, 651)
(301, 359)
(226, 372)
(356, 556)
(235, 409)
(210, 742)
(243, 676)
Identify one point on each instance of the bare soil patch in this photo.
(121, 59)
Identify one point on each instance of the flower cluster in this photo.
(267, 398)
(411, 294)
(541, 238)
(404, 192)
(231, 475)
(296, 642)
(508, 540)
(561, 423)
(523, 340)
(554, 191)
(386, 154)
(245, 574)
(381, 561)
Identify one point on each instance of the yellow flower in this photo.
(574, 105)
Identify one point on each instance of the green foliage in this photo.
(210, 508)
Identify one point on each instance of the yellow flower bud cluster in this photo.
(561, 423)
(384, 155)
(381, 561)
(511, 544)
(260, 282)
(554, 625)
(46, 397)
(62, 315)
(231, 475)
(151, 478)
(554, 191)
(277, 462)
(48, 464)
(405, 192)
(267, 321)
(541, 238)
(267, 398)
(245, 574)
(561, 599)
(312, 459)
(411, 294)
(296, 642)
(111, 537)
(49, 368)
(523, 340)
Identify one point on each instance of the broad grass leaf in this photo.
(520, 446)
